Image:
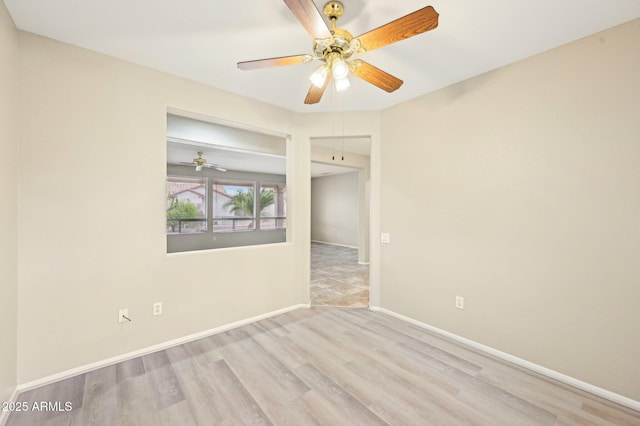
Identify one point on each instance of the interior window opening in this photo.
(225, 186)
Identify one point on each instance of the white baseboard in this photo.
(145, 351)
(579, 384)
(342, 245)
(4, 415)
(334, 244)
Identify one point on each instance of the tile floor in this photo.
(336, 277)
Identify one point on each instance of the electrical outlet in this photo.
(459, 302)
(385, 238)
(157, 308)
(123, 315)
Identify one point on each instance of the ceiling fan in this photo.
(334, 47)
(200, 162)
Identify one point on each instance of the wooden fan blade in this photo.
(376, 76)
(315, 93)
(410, 25)
(309, 17)
(274, 62)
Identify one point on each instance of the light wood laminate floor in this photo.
(319, 366)
(336, 277)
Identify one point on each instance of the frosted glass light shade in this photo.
(339, 69)
(342, 84)
(319, 76)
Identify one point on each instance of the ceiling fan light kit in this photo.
(342, 84)
(339, 68)
(334, 47)
(319, 76)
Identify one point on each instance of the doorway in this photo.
(340, 221)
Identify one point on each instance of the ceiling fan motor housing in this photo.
(199, 161)
(341, 43)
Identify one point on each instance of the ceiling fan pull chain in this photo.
(342, 148)
(342, 107)
(333, 133)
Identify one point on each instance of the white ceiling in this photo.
(202, 40)
(245, 150)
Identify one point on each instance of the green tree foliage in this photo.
(243, 202)
(177, 209)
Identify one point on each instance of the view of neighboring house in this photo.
(189, 193)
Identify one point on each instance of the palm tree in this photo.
(242, 203)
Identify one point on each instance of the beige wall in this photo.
(8, 201)
(366, 169)
(91, 236)
(91, 239)
(519, 190)
(334, 209)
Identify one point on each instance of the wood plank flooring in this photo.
(319, 366)
(336, 277)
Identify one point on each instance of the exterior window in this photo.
(233, 206)
(273, 206)
(186, 205)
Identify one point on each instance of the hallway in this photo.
(336, 277)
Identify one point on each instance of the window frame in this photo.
(205, 204)
(251, 184)
(277, 217)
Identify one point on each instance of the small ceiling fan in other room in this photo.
(334, 47)
(200, 162)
